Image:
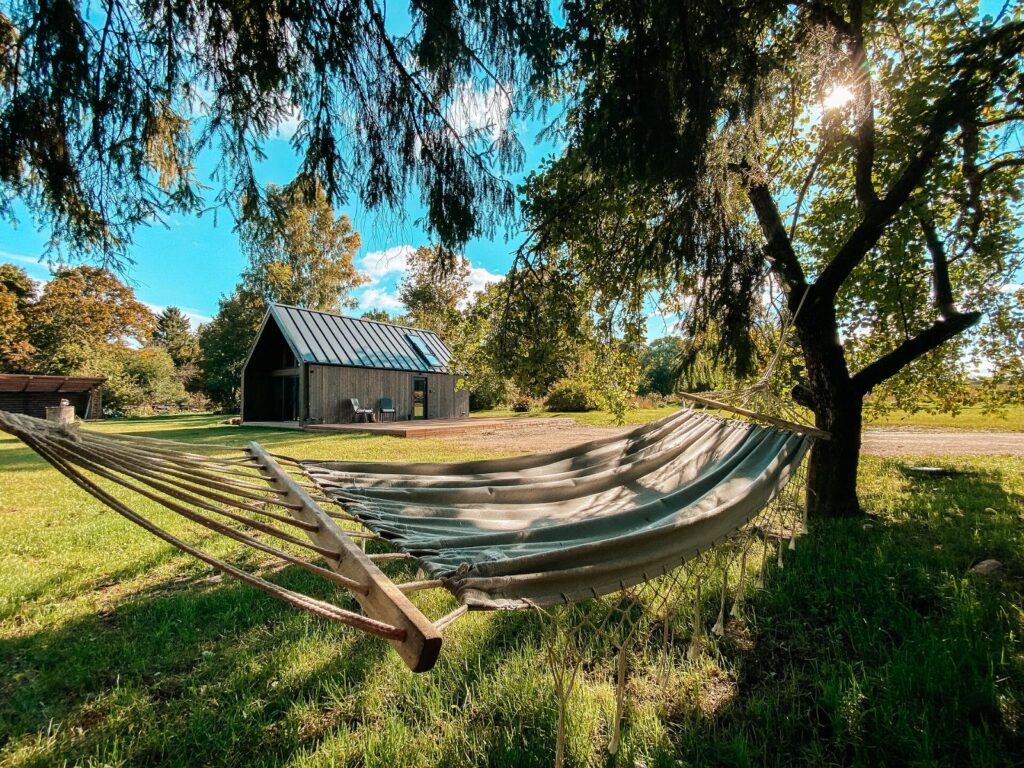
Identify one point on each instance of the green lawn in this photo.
(970, 418)
(873, 645)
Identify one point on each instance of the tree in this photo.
(174, 333)
(225, 341)
(299, 253)
(17, 291)
(659, 366)
(863, 154)
(136, 378)
(103, 110)
(81, 310)
(382, 316)
(432, 290)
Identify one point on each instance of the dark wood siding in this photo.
(88, 405)
(330, 387)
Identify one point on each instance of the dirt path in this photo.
(540, 435)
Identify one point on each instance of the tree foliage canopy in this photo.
(298, 252)
(104, 108)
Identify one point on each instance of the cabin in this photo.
(32, 394)
(306, 367)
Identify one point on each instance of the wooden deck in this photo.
(427, 428)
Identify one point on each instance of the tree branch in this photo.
(935, 335)
(779, 247)
(864, 134)
(941, 286)
(979, 68)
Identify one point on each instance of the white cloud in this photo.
(380, 264)
(374, 298)
(472, 110)
(480, 278)
(1011, 288)
(289, 124)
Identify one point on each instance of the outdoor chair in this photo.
(386, 409)
(359, 413)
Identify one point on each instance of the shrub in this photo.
(572, 395)
(520, 403)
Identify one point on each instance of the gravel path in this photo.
(540, 435)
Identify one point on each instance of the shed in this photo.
(306, 366)
(31, 394)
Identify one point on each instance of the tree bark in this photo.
(836, 402)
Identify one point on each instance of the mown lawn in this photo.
(873, 645)
(1010, 418)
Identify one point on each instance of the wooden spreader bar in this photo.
(792, 426)
(420, 642)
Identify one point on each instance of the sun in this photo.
(839, 96)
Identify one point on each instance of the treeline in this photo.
(522, 345)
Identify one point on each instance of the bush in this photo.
(572, 395)
(137, 379)
(520, 403)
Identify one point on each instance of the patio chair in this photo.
(359, 413)
(386, 409)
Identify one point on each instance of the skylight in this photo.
(423, 350)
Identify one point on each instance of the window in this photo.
(423, 350)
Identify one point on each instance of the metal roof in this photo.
(324, 338)
(30, 382)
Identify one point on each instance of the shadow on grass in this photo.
(875, 646)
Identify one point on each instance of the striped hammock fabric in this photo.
(582, 522)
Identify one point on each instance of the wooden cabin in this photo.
(307, 366)
(32, 394)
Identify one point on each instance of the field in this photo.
(874, 644)
(970, 418)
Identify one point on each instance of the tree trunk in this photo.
(837, 404)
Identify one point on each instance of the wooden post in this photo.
(384, 601)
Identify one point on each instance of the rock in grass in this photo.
(986, 567)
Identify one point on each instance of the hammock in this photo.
(500, 534)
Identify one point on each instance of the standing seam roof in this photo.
(328, 339)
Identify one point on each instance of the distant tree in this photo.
(174, 333)
(433, 288)
(299, 252)
(659, 366)
(17, 291)
(136, 378)
(225, 341)
(81, 310)
(383, 316)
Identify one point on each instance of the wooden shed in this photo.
(306, 366)
(32, 394)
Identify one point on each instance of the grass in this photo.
(1011, 419)
(873, 645)
(970, 418)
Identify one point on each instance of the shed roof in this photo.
(325, 338)
(30, 382)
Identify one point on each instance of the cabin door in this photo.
(419, 397)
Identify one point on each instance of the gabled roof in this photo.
(324, 338)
